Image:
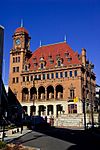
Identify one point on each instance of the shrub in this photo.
(2, 144)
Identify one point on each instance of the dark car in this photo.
(36, 122)
(26, 120)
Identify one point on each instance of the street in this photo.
(60, 139)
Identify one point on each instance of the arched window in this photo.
(33, 94)
(41, 92)
(50, 92)
(25, 94)
(59, 92)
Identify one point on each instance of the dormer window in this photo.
(51, 61)
(69, 59)
(57, 56)
(49, 57)
(66, 54)
(42, 65)
(25, 68)
(34, 59)
(35, 64)
(41, 58)
(59, 63)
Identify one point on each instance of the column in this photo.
(54, 93)
(37, 94)
(21, 97)
(45, 93)
(28, 95)
(79, 107)
(54, 110)
(37, 110)
(28, 110)
(46, 110)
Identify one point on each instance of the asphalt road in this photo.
(60, 139)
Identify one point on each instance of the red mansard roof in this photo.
(21, 29)
(61, 50)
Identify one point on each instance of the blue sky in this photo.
(49, 21)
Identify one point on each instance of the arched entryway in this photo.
(32, 110)
(33, 94)
(59, 109)
(50, 92)
(25, 95)
(59, 92)
(41, 92)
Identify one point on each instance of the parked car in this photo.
(26, 120)
(35, 122)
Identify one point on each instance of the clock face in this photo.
(17, 41)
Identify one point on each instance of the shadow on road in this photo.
(82, 140)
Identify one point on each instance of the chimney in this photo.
(83, 57)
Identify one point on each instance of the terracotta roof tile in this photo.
(21, 29)
(61, 50)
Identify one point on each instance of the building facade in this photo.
(53, 80)
(97, 99)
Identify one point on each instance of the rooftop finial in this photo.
(65, 38)
(40, 43)
(22, 23)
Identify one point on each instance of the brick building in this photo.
(52, 80)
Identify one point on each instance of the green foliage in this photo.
(2, 144)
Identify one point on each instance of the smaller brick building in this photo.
(52, 80)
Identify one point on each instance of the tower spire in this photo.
(40, 43)
(65, 38)
(22, 24)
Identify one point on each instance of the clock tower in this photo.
(21, 39)
(19, 55)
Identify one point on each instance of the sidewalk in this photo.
(10, 137)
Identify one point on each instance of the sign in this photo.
(75, 99)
